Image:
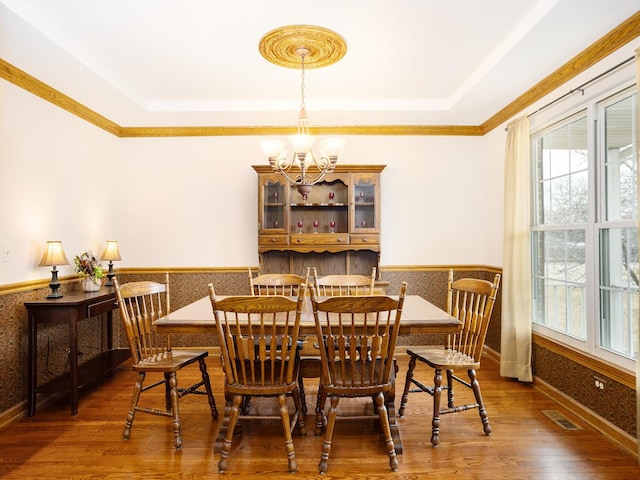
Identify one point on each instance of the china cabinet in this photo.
(335, 228)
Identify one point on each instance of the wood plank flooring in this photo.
(525, 443)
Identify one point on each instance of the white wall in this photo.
(54, 173)
(185, 202)
(181, 202)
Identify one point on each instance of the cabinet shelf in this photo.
(316, 205)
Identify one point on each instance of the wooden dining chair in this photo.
(471, 301)
(358, 335)
(340, 285)
(258, 337)
(334, 285)
(276, 283)
(283, 284)
(140, 304)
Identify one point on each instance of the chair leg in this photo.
(234, 412)
(207, 386)
(167, 392)
(328, 434)
(475, 386)
(435, 422)
(407, 385)
(299, 416)
(450, 399)
(303, 398)
(288, 440)
(321, 419)
(173, 393)
(386, 429)
(137, 390)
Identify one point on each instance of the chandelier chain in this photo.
(303, 105)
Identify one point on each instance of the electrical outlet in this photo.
(599, 383)
(6, 253)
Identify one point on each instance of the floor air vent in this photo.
(561, 420)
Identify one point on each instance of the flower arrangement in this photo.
(87, 266)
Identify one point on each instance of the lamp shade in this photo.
(53, 254)
(271, 147)
(111, 251)
(333, 146)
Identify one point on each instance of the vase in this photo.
(91, 285)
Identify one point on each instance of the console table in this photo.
(71, 309)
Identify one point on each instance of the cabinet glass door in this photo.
(274, 201)
(365, 217)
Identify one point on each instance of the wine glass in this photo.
(363, 223)
(300, 224)
(362, 195)
(332, 224)
(331, 195)
(275, 197)
(275, 224)
(315, 226)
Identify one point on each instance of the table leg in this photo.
(109, 330)
(73, 364)
(32, 373)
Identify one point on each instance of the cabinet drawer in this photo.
(320, 239)
(101, 307)
(365, 239)
(273, 239)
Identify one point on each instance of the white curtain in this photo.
(637, 146)
(515, 348)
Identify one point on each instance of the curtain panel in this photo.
(515, 341)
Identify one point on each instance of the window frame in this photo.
(594, 110)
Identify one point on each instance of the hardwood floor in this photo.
(525, 443)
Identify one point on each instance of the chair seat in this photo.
(170, 361)
(441, 358)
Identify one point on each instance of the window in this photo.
(584, 230)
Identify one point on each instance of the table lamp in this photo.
(112, 254)
(54, 255)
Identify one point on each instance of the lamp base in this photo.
(54, 285)
(54, 293)
(110, 275)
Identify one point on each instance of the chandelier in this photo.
(303, 168)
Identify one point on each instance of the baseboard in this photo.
(13, 413)
(619, 436)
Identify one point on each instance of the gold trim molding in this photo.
(617, 38)
(324, 47)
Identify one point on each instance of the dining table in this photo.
(418, 316)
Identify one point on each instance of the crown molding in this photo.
(606, 45)
(617, 38)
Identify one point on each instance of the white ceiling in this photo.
(196, 62)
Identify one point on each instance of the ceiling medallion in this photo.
(324, 46)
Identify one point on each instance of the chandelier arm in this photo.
(318, 178)
(291, 180)
(321, 164)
